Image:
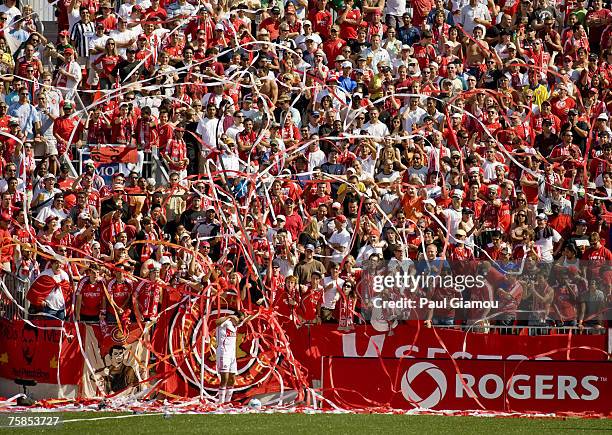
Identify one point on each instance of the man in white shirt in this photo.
(376, 54)
(96, 49)
(210, 128)
(300, 40)
(473, 14)
(546, 238)
(453, 214)
(413, 115)
(124, 38)
(316, 157)
(375, 127)
(332, 286)
(237, 126)
(340, 240)
(53, 208)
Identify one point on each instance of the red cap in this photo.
(69, 51)
(64, 33)
(341, 218)
(142, 37)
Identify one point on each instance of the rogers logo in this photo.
(435, 373)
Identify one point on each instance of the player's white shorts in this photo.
(226, 364)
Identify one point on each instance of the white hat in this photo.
(460, 232)
(457, 193)
(429, 201)
(281, 217)
(603, 116)
(457, 115)
(119, 245)
(219, 26)
(542, 216)
(307, 22)
(346, 64)
(165, 260)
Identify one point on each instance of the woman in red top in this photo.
(106, 63)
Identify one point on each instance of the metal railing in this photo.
(17, 288)
(531, 329)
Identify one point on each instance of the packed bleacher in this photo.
(282, 154)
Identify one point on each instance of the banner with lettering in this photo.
(576, 387)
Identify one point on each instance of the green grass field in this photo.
(314, 424)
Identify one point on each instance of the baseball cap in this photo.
(603, 116)
(542, 216)
(165, 260)
(309, 247)
(119, 245)
(341, 218)
(460, 232)
(457, 194)
(346, 64)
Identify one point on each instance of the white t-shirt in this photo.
(330, 295)
(547, 245)
(342, 238)
(122, 38)
(414, 117)
(379, 130)
(97, 42)
(226, 340)
(453, 218)
(209, 129)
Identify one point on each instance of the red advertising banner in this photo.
(409, 341)
(442, 384)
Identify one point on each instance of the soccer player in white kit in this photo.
(226, 353)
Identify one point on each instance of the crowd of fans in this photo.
(309, 142)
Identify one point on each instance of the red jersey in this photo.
(321, 22)
(120, 293)
(148, 295)
(91, 296)
(309, 302)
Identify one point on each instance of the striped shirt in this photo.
(81, 34)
